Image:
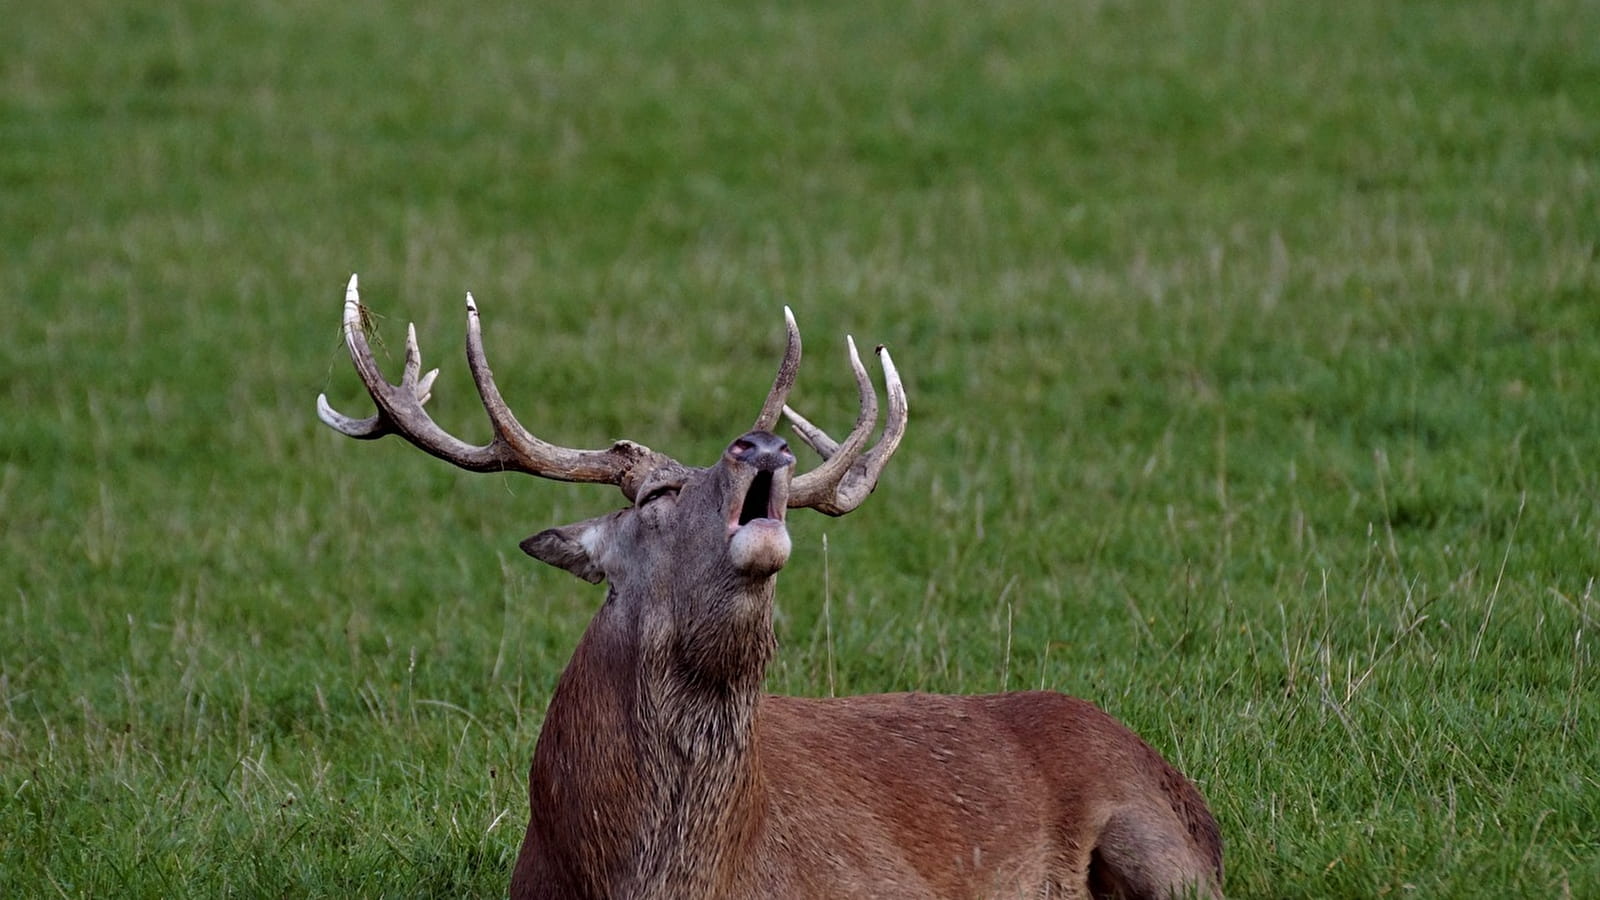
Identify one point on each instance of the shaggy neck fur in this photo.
(648, 744)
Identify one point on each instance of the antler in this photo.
(513, 449)
(768, 420)
(849, 472)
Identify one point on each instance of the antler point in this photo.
(352, 307)
(327, 413)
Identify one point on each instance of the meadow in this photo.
(1253, 353)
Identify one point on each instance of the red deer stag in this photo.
(663, 771)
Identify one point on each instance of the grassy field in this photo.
(1254, 362)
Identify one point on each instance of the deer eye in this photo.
(665, 490)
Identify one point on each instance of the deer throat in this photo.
(644, 738)
(709, 799)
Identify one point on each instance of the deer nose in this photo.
(762, 449)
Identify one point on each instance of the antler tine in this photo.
(819, 482)
(619, 465)
(513, 449)
(421, 389)
(398, 405)
(784, 381)
(848, 474)
(815, 437)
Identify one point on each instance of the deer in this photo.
(662, 770)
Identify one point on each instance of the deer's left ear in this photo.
(576, 547)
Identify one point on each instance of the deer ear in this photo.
(572, 547)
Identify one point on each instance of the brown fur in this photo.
(885, 796)
(663, 771)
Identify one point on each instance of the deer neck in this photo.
(647, 755)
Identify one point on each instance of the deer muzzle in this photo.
(760, 465)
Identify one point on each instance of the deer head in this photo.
(700, 545)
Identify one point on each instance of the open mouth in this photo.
(758, 501)
(763, 501)
(758, 539)
(757, 468)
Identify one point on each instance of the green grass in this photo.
(1253, 352)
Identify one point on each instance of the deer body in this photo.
(663, 772)
(888, 796)
(655, 778)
